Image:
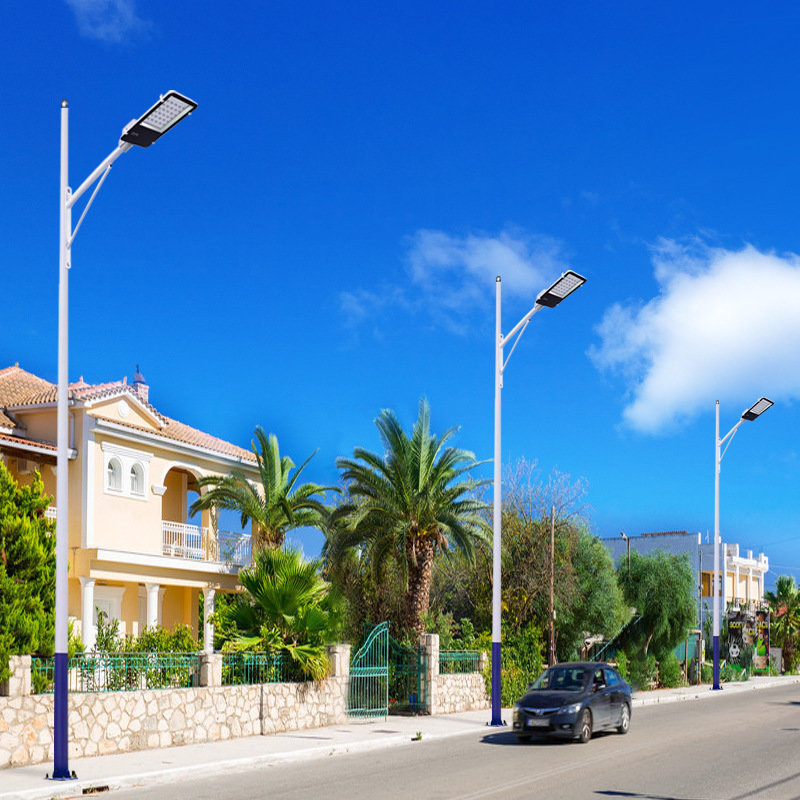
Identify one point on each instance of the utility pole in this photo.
(552, 648)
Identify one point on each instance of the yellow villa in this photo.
(132, 476)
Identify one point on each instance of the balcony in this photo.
(193, 542)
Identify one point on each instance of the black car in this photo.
(572, 701)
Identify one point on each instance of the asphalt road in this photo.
(732, 747)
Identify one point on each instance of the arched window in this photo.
(114, 475)
(137, 479)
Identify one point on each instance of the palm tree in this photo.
(276, 505)
(784, 606)
(408, 505)
(288, 608)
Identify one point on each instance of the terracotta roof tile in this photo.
(21, 388)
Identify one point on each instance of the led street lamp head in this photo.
(563, 287)
(171, 108)
(757, 409)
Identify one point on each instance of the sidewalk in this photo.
(148, 767)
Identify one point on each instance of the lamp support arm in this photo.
(520, 329)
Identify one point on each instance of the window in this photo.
(137, 480)
(114, 476)
(127, 471)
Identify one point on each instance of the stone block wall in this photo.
(118, 722)
(465, 692)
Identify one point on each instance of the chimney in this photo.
(140, 388)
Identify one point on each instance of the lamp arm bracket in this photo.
(102, 167)
(729, 436)
(518, 329)
(89, 203)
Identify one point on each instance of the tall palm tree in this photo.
(276, 504)
(784, 606)
(408, 505)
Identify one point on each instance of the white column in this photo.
(88, 627)
(152, 604)
(736, 579)
(209, 595)
(749, 584)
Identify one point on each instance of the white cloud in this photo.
(726, 326)
(107, 20)
(452, 276)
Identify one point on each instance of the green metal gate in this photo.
(386, 677)
(369, 676)
(408, 683)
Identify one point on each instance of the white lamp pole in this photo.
(170, 109)
(755, 411)
(549, 298)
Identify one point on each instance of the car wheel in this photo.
(624, 719)
(523, 738)
(585, 726)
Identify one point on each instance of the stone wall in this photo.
(461, 693)
(117, 722)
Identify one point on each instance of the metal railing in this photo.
(245, 669)
(119, 672)
(199, 544)
(452, 662)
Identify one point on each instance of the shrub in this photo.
(521, 655)
(622, 666)
(643, 671)
(669, 671)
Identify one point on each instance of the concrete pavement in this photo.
(147, 767)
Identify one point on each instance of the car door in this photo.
(616, 696)
(601, 699)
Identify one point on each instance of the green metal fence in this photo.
(258, 667)
(119, 672)
(454, 662)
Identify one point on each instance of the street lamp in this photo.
(755, 411)
(628, 542)
(549, 298)
(170, 109)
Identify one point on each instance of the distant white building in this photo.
(745, 574)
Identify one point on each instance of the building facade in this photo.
(133, 474)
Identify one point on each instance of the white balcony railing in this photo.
(193, 542)
(50, 512)
(184, 541)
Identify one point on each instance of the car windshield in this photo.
(570, 679)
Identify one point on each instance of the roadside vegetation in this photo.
(408, 540)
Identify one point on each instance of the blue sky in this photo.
(320, 239)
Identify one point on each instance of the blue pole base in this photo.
(716, 686)
(497, 719)
(60, 720)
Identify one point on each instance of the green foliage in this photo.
(660, 587)
(784, 606)
(406, 506)
(151, 640)
(27, 570)
(622, 665)
(706, 673)
(288, 608)
(522, 657)
(669, 671)
(643, 670)
(277, 504)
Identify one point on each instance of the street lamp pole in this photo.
(755, 411)
(170, 109)
(549, 298)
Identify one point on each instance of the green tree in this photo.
(784, 607)
(27, 570)
(594, 604)
(410, 504)
(275, 505)
(660, 587)
(288, 608)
